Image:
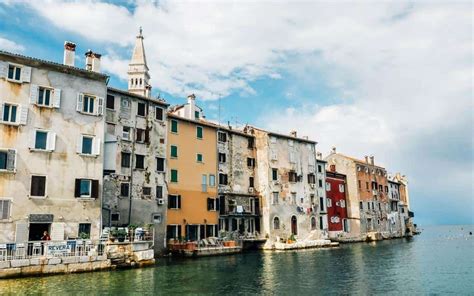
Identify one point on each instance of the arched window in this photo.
(131, 81)
(276, 223)
(313, 223)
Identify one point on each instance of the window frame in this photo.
(158, 162)
(107, 102)
(51, 97)
(9, 203)
(45, 193)
(142, 161)
(177, 202)
(144, 109)
(15, 67)
(92, 144)
(199, 135)
(90, 189)
(174, 124)
(174, 148)
(221, 135)
(162, 112)
(176, 174)
(10, 112)
(199, 158)
(122, 186)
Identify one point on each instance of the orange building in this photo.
(192, 187)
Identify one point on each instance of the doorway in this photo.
(37, 230)
(294, 225)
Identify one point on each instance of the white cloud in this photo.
(11, 46)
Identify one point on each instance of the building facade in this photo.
(51, 148)
(287, 185)
(193, 201)
(338, 224)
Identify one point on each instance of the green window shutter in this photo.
(199, 157)
(199, 132)
(174, 151)
(174, 126)
(174, 175)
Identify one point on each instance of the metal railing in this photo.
(48, 249)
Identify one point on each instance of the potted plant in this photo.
(84, 235)
(120, 234)
(291, 239)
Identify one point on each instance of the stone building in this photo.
(193, 201)
(237, 166)
(394, 222)
(406, 215)
(135, 153)
(287, 185)
(51, 147)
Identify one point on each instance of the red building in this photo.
(336, 201)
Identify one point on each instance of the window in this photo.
(38, 186)
(140, 135)
(160, 164)
(311, 179)
(126, 157)
(381, 188)
(250, 143)
(8, 160)
(174, 126)
(159, 191)
(110, 104)
(321, 223)
(4, 209)
(10, 113)
(329, 202)
(222, 157)
(87, 145)
(361, 205)
(341, 188)
(313, 223)
(222, 137)
(386, 189)
(141, 109)
(292, 157)
(204, 183)
(174, 201)
(367, 185)
(173, 232)
(251, 162)
(199, 132)
(275, 174)
(124, 189)
(159, 113)
(199, 157)
(212, 180)
(40, 140)
(321, 203)
(328, 186)
(174, 176)
(320, 183)
(126, 133)
(115, 217)
(274, 198)
(212, 204)
(222, 179)
(196, 114)
(88, 104)
(174, 151)
(251, 182)
(146, 191)
(44, 96)
(380, 207)
(360, 185)
(292, 176)
(139, 161)
(84, 230)
(293, 198)
(86, 188)
(276, 223)
(14, 72)
(156, 218)
(320, 168)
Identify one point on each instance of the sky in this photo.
(389, 79)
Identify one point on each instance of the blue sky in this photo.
(392, 79)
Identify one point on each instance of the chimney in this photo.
(372, 160)
(332, 168)
(89, 54)
(293, 134)
(69, 53)
(366, 159)
(192, 106)
(96, 62)
(333, 150)
(148, 91)
(305, 137)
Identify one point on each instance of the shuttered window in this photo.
(174, 176)
(86, 188)
(4, 209)
(199, 132)
(8, 160)
(174, 201)
(174, 151)
(38, 186)
(174, 126)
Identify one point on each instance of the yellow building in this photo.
(192, 186)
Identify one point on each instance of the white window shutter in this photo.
(26, 74)
(100, 106)
(32, 139)
(96, 146)
(1, 111)
(79, 145)
(34, 92)
(51, 142)
(80, 102)
(57, 98)
(57, 231)
(21, 232)
(3, 69)
(11, 160)
(23, 114)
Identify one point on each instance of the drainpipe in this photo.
(130, 193)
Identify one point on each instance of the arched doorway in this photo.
(294, 225)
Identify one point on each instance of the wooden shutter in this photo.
(57, 231)
(51, 141)
(218, 204)
(95, 189)
(169, 201)
(96, 146)
(25, 74)
(77, 188)
(79, 102)
(3, 69)
(23, 115)
(179, 201)
(209, 203)
(57, 98)
(100, 106)
(34, 92)
(11, 160)
(21, 232)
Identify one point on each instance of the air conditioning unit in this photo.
(160, 201)
(251, 189)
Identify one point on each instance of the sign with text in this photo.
(57, 249)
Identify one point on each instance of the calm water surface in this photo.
(439, 261)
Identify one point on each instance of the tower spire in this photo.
(138, 76)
